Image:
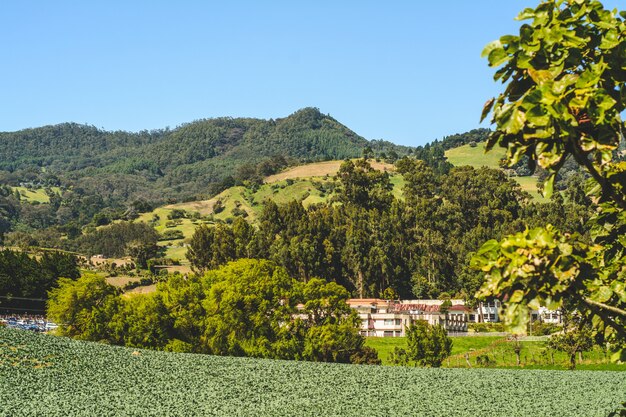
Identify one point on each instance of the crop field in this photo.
(52, 376)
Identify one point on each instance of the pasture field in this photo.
(320, 169)
(56, 376)
(38, 195)
(476, 157)
(121, 280)
(534, 354)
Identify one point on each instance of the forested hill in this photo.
(195, 159)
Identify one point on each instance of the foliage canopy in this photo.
(565, 76)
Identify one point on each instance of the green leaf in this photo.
(548, 186)
(620, 355)
(487, 108)
(603, 294)
(540, 76)
(518, 295)
(498, 57)
(490, 47)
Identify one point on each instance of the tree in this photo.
(566, 90)
(364, 186)
(247, 304)
(572, 342)
(84, 308)
(141, 252)
(428, 345)
(142, 321)
(211, 247)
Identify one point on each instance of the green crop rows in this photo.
(45, 375)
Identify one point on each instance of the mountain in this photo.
(196, 159)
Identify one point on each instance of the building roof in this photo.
(432, 308)
(459, 307)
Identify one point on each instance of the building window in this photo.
(398, 322)
(388, 333)
(472, 317)
(388, 322)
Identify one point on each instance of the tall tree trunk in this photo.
(481, 318)
(572, 360)
(360, 279)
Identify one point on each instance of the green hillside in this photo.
(194, 159)
(248, 202)
(56, 376)
(477, 157)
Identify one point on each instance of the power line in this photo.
(21, 298)
(21, 309)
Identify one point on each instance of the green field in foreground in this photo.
(534, 354)
(55, 376)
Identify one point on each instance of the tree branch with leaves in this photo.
(565, 90)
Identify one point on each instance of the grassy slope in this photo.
(299, 183)
(37, 195)
(319, 169)
(533, 355)
(60, 377)
(476, 157)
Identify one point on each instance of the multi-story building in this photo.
(385, 318)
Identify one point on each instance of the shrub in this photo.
(485, 327)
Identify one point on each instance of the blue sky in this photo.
(404, 71)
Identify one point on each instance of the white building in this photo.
(384, 318)
(547, 316)
(488, 310)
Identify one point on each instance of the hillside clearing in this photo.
(37, 195)
(310, 184)
(60, 377)
(320, 169)
(476, 157)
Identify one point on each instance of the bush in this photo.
(399, 356)
(239, 212)
(177, 214)
(173, 223)
(366, 356)
(544, 329)
(485, 327)
(485, 360)
(141, 283)
(428, 345)
(171, 235)
(218, 207)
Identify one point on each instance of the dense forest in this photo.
(93, 177)
(26, 279)
(180, 164)
(377, 245)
